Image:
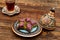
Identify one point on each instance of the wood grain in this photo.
(31, 11)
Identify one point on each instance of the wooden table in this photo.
(35, 12)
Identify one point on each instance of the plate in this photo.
(15, 11)
(34, 32)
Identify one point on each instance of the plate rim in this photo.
(27, 36)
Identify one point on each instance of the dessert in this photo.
(27, 24)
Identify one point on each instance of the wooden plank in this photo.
(34, 11)
(37, 2)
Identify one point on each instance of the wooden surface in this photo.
(31, 11)
(37, 2)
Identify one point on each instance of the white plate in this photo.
(16, 10)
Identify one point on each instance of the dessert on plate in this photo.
(27, 25)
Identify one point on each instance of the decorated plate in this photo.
(26, 32)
